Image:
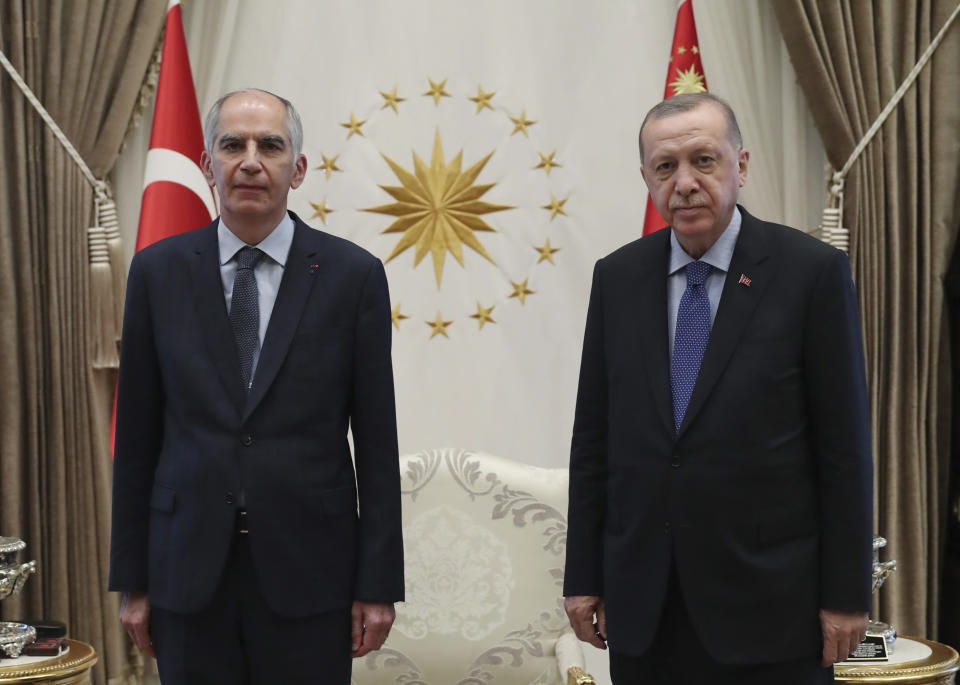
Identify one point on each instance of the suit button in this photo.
(229, 498)
(247, 440)
(666, 527)
(675, 461)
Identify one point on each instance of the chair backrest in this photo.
(484, 544)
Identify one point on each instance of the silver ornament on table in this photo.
(14, 636)
(882, 569)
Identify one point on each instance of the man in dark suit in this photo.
(249, 348)
(720, 469)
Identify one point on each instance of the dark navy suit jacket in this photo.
(763, 500)
(189, 439)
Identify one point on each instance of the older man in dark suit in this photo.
(720, 471)
(249, 348)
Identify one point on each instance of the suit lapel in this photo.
(212, 312)
(652, 283)
(737, 304)
(295, 287)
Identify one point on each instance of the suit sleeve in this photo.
(374, 427)
(138, 437)
(840, 425)
(588, 460)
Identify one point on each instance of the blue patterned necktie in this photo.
(245, 310)
(690, 341)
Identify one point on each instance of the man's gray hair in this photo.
(684, 102)
(294, 125)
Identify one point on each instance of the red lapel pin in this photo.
(744, 280)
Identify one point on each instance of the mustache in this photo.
(686, 205)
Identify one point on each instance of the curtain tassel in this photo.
(831, 225)
(111, 233)
(103, 320)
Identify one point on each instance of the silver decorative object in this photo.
(14, 636)
(882, 569)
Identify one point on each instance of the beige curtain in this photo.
(901, 208)
(85, 61)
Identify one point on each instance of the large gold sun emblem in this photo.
(438, 208)
(441, 206)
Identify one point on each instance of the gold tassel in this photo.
(111, 232)
(103, 319)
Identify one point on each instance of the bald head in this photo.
(294, 126)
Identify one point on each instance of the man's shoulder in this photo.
(650, 246)
(175, 245)
(341, 249)
(787, 241)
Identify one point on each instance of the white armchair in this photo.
(484, 544)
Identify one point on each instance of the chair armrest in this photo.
(570, 660)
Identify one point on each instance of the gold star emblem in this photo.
(546, 162)
(329, 164)
(391, 99)
(482, 99)
(520, 123)
(555, 206)
(521, 291)
(681, 50)
(437, 90)
(695, 50)
(439, 326)
(483, 315)
(354, 125)
(321, 210)
(688, 81)
(546, 252)
(396, 316)
(438, 208)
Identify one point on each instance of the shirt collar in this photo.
(276, 245)
(718, 256)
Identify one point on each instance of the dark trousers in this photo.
(239, 640)
(677, 657)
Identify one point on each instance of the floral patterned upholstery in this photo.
(484, 543)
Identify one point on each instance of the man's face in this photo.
(252, 163)
(694, 174)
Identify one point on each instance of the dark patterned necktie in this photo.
(245, 310)
(690, 341)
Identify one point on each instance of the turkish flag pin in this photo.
(744, 280)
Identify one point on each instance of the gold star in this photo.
(681, 50)
(546, 162)
(695, 50)
(439, 326)
(354, 125)
(521, 291)
(391, 99)
(555, 206)
(321, 210)
(482, 99)
(397, 317)
(483, 315)
(329, 164)
(521, 122)
(688, 81)
(438, 208)
(437, 90)
(546, 252)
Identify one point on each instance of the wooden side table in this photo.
(71, 668)
(914, 661)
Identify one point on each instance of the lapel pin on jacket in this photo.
(313, 269)
(744, 280)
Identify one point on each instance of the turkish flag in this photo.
(684, 75)
(176, 196)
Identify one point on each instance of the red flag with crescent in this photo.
(684, 75)
(176, 197)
